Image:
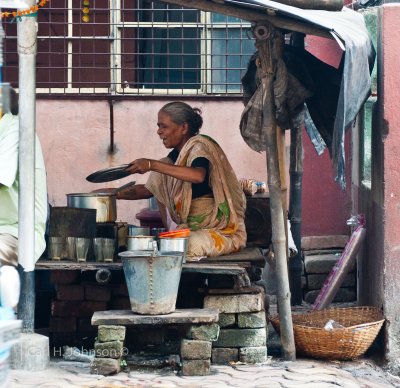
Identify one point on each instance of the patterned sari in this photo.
(216, 221)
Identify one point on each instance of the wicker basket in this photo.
(361, 326)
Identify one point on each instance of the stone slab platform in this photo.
(127, 317)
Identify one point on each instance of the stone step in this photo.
(343, 295)
(323, 242)
(316, 281)
(321, 264)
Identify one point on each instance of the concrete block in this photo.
(105, 366)
(223, 356)
(195, 367)
(112, 349)
(235, 303)
(31, 353)
(253, 355)
(323, 242)
(107, 333)
(237, 338)
(195, 350)
(320, 263)
(251, 320)
(226, 320)
(343, 295)
(315, 281)
(204, 332)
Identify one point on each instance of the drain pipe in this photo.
(27, 47)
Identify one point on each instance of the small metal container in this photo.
(156, 231)
(139, 243)
(173, 245)
(134, 230)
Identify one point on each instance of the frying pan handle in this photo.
(117, 190)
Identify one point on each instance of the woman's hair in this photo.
(181, 113)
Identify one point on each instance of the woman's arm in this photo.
(130, 192)
(187, 174)
(134, 192)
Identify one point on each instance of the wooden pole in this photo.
(267, 39)
(296, 181)
(296, 174)
(281, 146)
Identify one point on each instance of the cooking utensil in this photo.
(104, 203)
(174, 244)
(139, 243)
(109, 174)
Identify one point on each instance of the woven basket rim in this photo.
(343, 343)
(275, 317)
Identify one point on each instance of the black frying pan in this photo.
(109, 174)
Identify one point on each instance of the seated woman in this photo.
(195, 184)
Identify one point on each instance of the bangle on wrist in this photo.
(149, 165)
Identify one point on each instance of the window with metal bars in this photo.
(133, 47)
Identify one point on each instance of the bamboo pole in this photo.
(266, 39)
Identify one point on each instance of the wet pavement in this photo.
(274, 373)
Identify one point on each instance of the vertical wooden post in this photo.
(296, 180)
(296, 173)
(281, 145)
(265, 42)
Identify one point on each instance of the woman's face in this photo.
(173, 135)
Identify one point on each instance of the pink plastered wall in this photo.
(75, 136)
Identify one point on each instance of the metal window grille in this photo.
(133, 47)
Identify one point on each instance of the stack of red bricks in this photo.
(76, 299)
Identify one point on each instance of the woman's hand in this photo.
(140, 166)
(187, 174)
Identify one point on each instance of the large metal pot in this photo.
(104, 203)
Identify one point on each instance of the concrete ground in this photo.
(274, 373)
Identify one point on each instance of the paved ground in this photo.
(301, 373)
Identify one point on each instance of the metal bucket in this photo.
(152, 280)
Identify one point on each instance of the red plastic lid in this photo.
(175, 233)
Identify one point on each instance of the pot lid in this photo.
(109, 174)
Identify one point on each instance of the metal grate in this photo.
(133, 47)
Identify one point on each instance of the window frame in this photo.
(116, 86)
